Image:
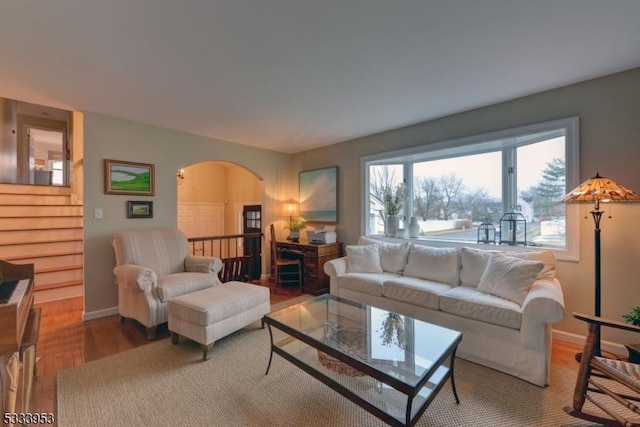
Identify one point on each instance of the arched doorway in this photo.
(212, 197)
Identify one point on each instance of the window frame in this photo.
(476, 144)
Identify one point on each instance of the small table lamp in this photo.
(291, 210)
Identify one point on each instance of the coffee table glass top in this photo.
(395, 349)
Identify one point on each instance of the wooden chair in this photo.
(286, 270)
(606, 389)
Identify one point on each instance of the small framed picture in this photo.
(139, 209)
(122, 177)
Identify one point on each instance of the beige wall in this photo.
(168, 150)
(609, 111)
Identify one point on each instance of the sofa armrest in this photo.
(335, 268)
(202, 264)
(545, 301)
(135, 278)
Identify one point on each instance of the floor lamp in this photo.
(595, 190)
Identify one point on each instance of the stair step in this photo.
(42, 257)
(34, 199)
(34, 189)
(20, 251)
(55, 261)
(41, 223)
(65, 267)
(64, 284)
(47, 279)
(24, 237)
(40, 211)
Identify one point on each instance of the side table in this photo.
(634, 352)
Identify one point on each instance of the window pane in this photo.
(451, 196)
(541, 179)
(385, 185)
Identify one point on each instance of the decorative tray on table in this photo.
(350, 340)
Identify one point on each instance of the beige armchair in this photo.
(154, 265)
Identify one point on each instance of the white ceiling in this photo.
(291, 75)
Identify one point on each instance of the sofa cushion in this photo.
(473, 262)
(368, 283)
(436, 264)
(471, 303)
(393, 256)
(174, 285)
(411, 290)
(546, 257)
(509, 277)
(363, 259)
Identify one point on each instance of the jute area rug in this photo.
(169, 385)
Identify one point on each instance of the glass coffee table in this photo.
(389, 364)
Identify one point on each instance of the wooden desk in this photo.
(316, 282)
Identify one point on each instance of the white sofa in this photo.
(152, 266)
(504, 303)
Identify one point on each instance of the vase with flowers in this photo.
(294, 227)
(393, 199)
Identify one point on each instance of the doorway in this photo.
(47, 156)
(252, 223)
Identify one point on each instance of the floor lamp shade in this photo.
(595, 190)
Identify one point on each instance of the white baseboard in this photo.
(609, 346)
(99, 313)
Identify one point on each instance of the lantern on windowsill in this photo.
(513, 229)
(486, 232)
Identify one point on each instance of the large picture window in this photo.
(450, 189)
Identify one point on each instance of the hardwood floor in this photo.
(67, 341)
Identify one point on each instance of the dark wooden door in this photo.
(252, 223)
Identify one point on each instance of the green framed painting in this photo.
(122, 177)
(139, 209)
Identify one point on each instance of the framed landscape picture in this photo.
(138, 209)
(319, 195)
(121, 177)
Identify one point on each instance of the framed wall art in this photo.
(139, 209)
(121, 177)
(319, 195)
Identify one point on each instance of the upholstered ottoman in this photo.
(210, 314)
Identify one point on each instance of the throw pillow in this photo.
(393, 256)
(473, 263)
(363, 259)
(437, 264)
(509, 277)
(545, 257)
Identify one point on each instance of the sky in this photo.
(532, 160)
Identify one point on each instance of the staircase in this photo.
(41, 225)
